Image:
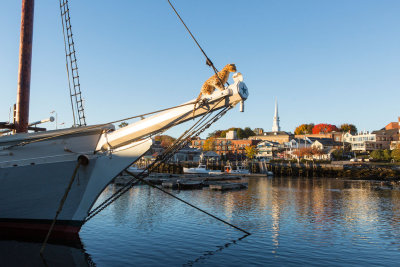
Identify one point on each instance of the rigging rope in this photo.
(97, 125)
(61, 205)
(167, 154)
(208, 60)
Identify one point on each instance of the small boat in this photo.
(201, 169)
(238, 170)
(135, 170)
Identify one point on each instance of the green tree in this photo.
(346, 127)
(240, 133)
(396, 154)
(377, 155)
(337, 154)
(251, 151)
(123, 124)
(387, 155)
(248, 132)
(216, 134)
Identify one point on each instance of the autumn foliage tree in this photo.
(251, 151)
(324, 128)
(209, 144)
(304, 129)
(308, 152)
(346, 127)
(165, 140)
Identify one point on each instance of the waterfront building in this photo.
(326, 144)
(366, 141)
(228, 147)
(336, 136)
(296, 143)
(267, 149)
(280, 137)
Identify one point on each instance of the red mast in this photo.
(24, 69)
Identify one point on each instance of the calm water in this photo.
(292, 222)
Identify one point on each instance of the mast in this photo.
(24, 69)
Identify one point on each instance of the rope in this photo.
(60, 206)
(187, 203)
(208, 60)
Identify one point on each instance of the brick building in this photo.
(280, 137)
(228, 147)
(393, 125)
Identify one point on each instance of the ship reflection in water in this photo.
(292, 221)
(20, 253)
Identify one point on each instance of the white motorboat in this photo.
(37, 168)
(237, 170)
(135, 170)
(201, 169)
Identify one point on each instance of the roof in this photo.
(328, 142)
(277, 133)
(211, 154)
(387, 132)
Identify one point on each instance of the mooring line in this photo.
(187, 203)
(82, 160)
(210, 253)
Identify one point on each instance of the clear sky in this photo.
(332, 61)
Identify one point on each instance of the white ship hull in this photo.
(32, 185)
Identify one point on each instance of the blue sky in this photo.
(325, 61)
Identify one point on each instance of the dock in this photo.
(189, 182)
(228, 186)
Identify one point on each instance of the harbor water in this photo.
(292, 221)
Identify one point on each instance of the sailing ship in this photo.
(36, 167)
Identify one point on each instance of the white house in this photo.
(266, 149)
(366, 141)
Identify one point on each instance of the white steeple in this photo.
(275, 124)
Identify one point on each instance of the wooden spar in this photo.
(24, 69)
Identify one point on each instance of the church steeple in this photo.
(275, 124)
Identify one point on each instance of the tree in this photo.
(337, 154)
(346, 127)
(165, 140)
(396, 153)
(251, 151)
(216, 134)
(240, 133)
(209, 144)
(387, 155)
(304, 129)
(377, 155)
(248, 132)
(310, 126)
(123, 124)
(324, 128)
